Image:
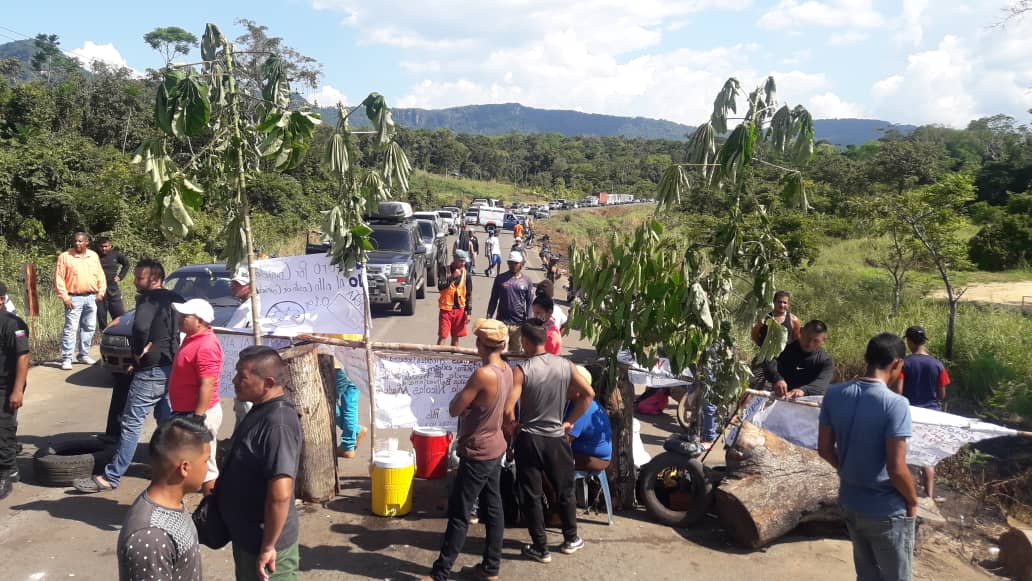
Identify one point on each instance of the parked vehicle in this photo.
(197, 281)
(509, 222)
(491, 217)
(472, 216)
(480, 203)
(543, 212)
(396, 267)
(436, 250)
(456, 215)
(449, 220)
(442, 224)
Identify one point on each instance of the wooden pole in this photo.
(370, 373)
(317, 476)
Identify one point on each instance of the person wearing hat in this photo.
(923, 383)
(456, 300)
(153, 343)
(240, 297)
(465, 242)
(480, 445)
(193, 386)
(511, 296)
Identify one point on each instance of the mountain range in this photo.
(501, 119)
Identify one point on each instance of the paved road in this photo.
(52, 533)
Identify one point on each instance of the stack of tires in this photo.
(59, 463)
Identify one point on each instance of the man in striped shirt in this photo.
(80, 282)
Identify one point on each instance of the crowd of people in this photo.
(539, 413)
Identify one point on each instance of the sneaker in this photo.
(571, 547)
(539, 555)
(66, 365)
(87, 360)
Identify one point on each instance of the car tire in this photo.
(408, 307)
(61, 462)
(421, 291)
(431, 274)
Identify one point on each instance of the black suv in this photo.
(436, 250)
(396, 267)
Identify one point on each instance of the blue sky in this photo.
(907, 61)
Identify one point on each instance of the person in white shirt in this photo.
(493, 252)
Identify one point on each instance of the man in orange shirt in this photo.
(456, 300)
(517, 230)
(80, 282)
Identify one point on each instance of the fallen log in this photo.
(317, 471)
(772, 486)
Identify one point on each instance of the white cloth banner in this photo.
(936, 435)
(234, 341)
(307, 294)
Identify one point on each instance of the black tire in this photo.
(408, 307)
(421, 291)
(686, 408)
(687, 476)
(59, 463)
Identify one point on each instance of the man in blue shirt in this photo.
(864, 428)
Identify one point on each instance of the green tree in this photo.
(170, 41)
(49, 61)
(935, 214)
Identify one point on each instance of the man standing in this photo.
(493, 252)
(456, 300)
(256, 489)
(511, 295)
(480, 445)
(115, 266)
(781, 316)
(863, 433)
(804, 367)
(517, 231)
(193, 387)
(158, 538)
(80, 283)
(240, 296)
(465, 242)
(542, 385)
(14, 368)
(924, 385)
(153, 343)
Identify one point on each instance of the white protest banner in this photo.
(307, 294)
(936, 435)
(234, 341)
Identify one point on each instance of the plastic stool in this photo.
(603, 482)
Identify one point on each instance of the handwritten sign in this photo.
(306, 294)
(233, 342)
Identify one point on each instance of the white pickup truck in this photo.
(491, 216)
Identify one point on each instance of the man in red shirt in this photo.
(193, 386)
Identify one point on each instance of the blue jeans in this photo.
(147, 391)
(883, 547)
(82, 317)
(709, 422)
(347, 411)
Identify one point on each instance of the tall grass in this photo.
(445, 190)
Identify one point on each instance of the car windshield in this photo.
(445, 214)
(205, 284)
(426, 230)
(391, 240)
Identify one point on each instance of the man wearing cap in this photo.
(511, 295)
(480, 446)
(465, 243)
(456, 300)
(193, 387)
(240, 296)
(154, 341)
(923, 381)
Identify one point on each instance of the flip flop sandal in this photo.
(90, 485)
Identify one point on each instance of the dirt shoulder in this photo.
(998, 293)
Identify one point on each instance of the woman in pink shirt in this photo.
(542, 308)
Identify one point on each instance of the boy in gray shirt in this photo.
(158, 538)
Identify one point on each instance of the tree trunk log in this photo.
(317, 472)
(1016, 553)
(772, 486)
(621, 473)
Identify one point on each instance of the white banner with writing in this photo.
(307, 294)
(234, 341)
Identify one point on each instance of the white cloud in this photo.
(327, 96)
(795, 15)
(831, 106)
(911, 27)
(887, 87)
(91, 52)
(847, 38)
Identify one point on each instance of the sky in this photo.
(904, 61)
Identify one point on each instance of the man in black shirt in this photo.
(803, 368)
(115, 266)
(14, 368)
(255, 490)
(154, 341)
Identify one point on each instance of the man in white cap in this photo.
(240, 289)
(456, 300)
(193, 387)
(512, 295)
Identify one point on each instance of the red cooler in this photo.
(431, 447)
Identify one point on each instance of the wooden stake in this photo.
(367, 343)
